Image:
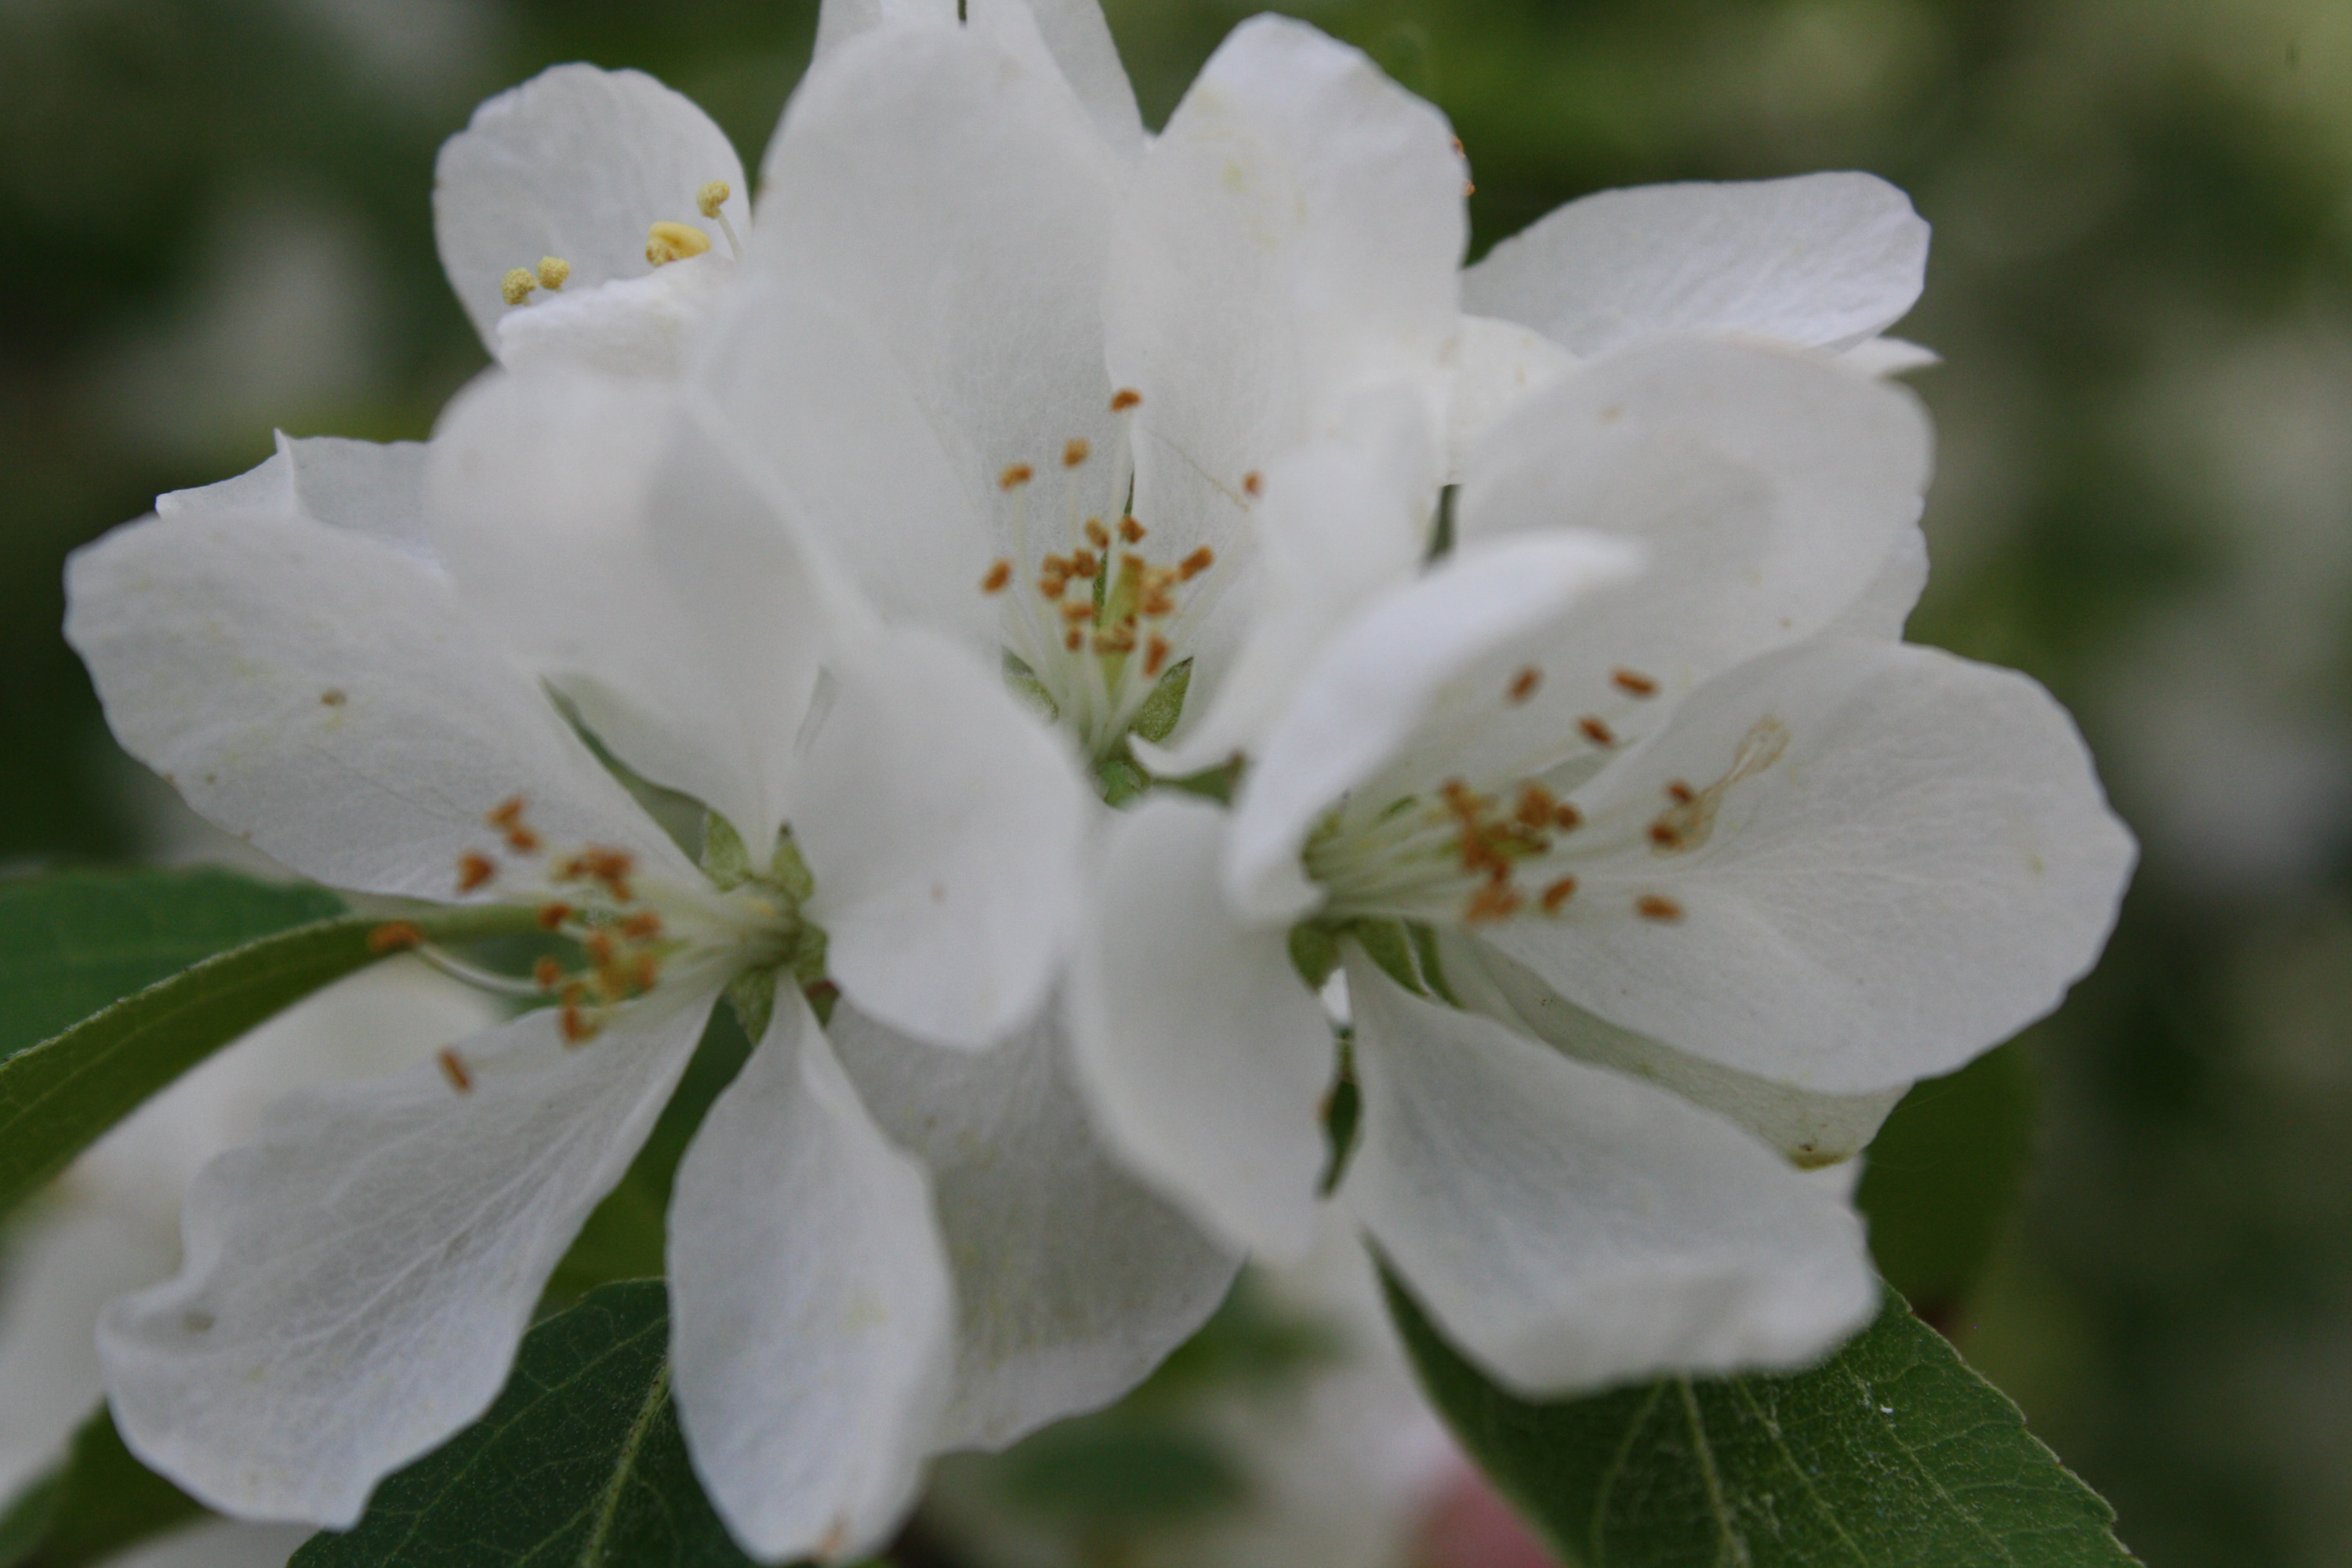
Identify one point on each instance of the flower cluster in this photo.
(1098, 587)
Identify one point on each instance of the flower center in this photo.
(1099, 621)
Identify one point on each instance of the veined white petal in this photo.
(1888, 356)
(1571, 1227)
(325, 699)
(642, 327)
(1072, 1279)
(1497, 365)
(1812, 1128)
(1416, 649)
(1204, 1054)
(1822, 261)
(943, 824)
(577, 163)
(1291, 238)
(838, 21)
(1082, 47)
(357, 1280)
(811, 1308)
(1914, 862)
(1768, 487)
(1888, 599)
(610, 549)
(374, 488)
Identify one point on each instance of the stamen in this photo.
(1131, 530)
(1253, 483)
(1074, 452)
(1566, 816)
(1650, 906)
(1015, 476)
(507, 819)
(517, 285)
(1536, 806)
(546, 973)
(1097, 536)
(395, 936)
(1155, 657)
(999, 574)
(1633, 682)
(554, 272)
(1680, 792)
(667, 242)
(1557, 894)
(1495, 900)
(711, 197)
(1598, 734)
(1124, 399)
(1192, 565)
(1524, 684)
(1076, 640)
(552, 916)
(453, 1068)
(1083, 564)
(474, 868)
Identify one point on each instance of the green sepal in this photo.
(97, 1501)
(725, 860)
(58, 1096)
(752, 994)
(1891, 1454)
(1314, 953)
(1432, 966)
(1120, 779)
(1386, 943)
(1156, 719)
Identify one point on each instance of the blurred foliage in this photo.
(2142, 283)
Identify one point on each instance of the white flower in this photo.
(1644, 757)
(873, 1254)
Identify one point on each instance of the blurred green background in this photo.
(217, 219)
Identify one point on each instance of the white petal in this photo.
(1823, 260)
(902, 148)
(1205, 1055)
(838, 21)
(811, 1311)
(374, 487)
(1811, 1128)
(1888, 356)
(1497, 365)
(1080, 41)
(577, 163)
(1290, 240)
(1888, 599)
(1570, 1227)
(642, 327)
(943, 825)
(1920, 867)
(323, 697)
(356, 1281)
(1337, 521)
(1072, 1279)
(1377, 680)
(1768, 487)
(613, 552)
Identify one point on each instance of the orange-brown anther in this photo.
(1523, 685)
(1535, 805)
(1664, 835)
(645, 972)
(1052, 586)
(1557, 894)
(1598, 734)
(1253, 483)
(1565, 816)
(552, 916)
(1078, 612)
(1650, 906)
(507, 813)
(1192, 565)
(1097, 535)
(1131, 530)
(474, 868)
(599, 945)
(395, 936)
(999, 574)
(577, 1029)
(1155, 656)
(643, 926)
(1119, 639)
(1074, 452)
(521, 840)
(1074, 639)
(1084, 563)
(1016, 476)
(1124, 399)
(1495, 900)
(1633, 682)
(453, 1068)
(546, 973)
(1680, 792)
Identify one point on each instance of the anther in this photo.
(1524, 684)
(453, 1068)
(1253, 483)
(1083, 564)
(474, 868)
(1494, 900)
(554, 272)
(1098, 536)
(643, 926)
(1131, 530)
(667, 242)
(1078, 612)
(517, 285)
(711, 197)
(552, 916)
(1598, 734)
(1536, 806)
(546, 973)
(1124, 399)
(1015, 476)
(577, 1029)
(1565, 816)
(1650, 906)
(1076, 640)
(1664, 835)
(1633, 682)
(1155, 656)
(1557, 894)
(1074, 452)
(507, 819)
(999, 574)
(1192, 565)
(395, 936)
(1680, 792)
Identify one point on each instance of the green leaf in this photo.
(1944, 1174)
(96, 1502)
(72, 942)
(580, 1464)
(1892, 1454)
(58, 1096)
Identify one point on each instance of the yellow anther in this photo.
(554, 272)
(517, 285)
(667, 242)
(712, 196)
